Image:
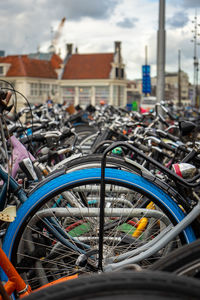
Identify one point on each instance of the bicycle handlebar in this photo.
(172, 117)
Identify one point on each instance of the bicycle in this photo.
(49, 241)
(55, 256)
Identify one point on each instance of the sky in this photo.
(92, 26)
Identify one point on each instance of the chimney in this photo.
(69, 49)
(118, 50)
(118, 47)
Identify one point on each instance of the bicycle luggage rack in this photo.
(171, 174)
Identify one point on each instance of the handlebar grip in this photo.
(168, 135)
(8, 96)
(4, 100)
(32, 138)
(141, 146)
(5, 96)
(151, 133)
(173, 137)
(166, 146)
(43, 158)
(183, 148)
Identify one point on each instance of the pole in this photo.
(196, 63)
(197, 86)
(146, 60)
(119, 72)
(179, 78)
(146, 55)
(160, 91)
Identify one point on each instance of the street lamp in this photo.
(161, 54)
(196, 61)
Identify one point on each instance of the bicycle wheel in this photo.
(125, 285)
(56, 230)
(182, 261)
(94, 161)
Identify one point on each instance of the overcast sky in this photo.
(93, 25)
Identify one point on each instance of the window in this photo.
(69, 95)
(122, 73)
(1, 70)
(101, 93)
(119, 73)
(34, 89)
(84, 95)
(44, 89)
(40, 89)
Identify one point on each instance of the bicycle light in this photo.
(184, 170)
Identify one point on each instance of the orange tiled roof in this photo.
(22, 65)
(88, 66)
(56, 61)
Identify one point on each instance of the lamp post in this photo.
(196, 62)
(179, 78)
(160, 94)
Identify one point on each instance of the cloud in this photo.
(127, 22)
(93, 26)
(184, 3)
(76, 9)
(73, 9)
(191, 3)
(179, 19)
(30, 23)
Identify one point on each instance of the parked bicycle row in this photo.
(102, 190)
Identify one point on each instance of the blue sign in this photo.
(146, 79)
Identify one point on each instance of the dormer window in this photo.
(119, 73)
(122, 73)
(4, 67)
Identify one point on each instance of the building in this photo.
(79, 79)
(35, 76)
(172, 87)
(90, 78)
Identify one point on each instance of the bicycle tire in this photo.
(94, 161)
(125, 285)
(16, 235)
(90, 161)
(182, 261)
